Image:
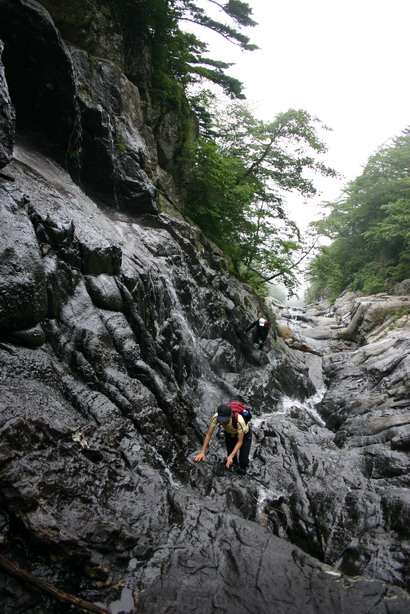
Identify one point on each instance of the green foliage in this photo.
(121, 146)
(369, 227)
(201, 103)
(179, 56)
(239, 12)
(239, 183)
(326, 274)
(398, 314)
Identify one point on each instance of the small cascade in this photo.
(296, 319)
(300, 323)
(209, 387)
(191, 338)
(288, 404)
(265, 498)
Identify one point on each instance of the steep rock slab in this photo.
(23, 297)
(87, 112)
(7, 117)
(113, 152)
(39, 71)
(243, 569)
(113, 402)
(99, 417)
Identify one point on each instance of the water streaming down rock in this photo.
(129, 386)
(121, 330)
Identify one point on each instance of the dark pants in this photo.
(260, 338)
(231, 441)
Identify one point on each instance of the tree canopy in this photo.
(181, 54)
(240, 179)
(369, 227)
(241, 169)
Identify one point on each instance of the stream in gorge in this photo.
(132, 338)
(121, 331)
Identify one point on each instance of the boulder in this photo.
(7, 118)
(23, 296)
(402, 288)
(285, 332)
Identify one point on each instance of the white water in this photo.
(124, 604)
(308, 406)
(126, 601)
(190, 336)
(287, 404)
(265, 495)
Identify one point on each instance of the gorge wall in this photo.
(121, 330)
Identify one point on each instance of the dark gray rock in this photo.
(39, 72)
(113, 406)
(110, 155)
(23, 298)
(85, 107)
(99, 32)
(120, 335)
(7, 117)
(104, 292)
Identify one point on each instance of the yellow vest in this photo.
(242, 427)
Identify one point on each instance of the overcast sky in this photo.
(345, 62)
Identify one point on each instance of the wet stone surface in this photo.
(101, 418)
(121, 331)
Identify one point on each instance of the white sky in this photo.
(346, 62)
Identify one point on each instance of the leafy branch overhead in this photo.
(239, 12)
(238, 194)
(179, 53)
(241, 168)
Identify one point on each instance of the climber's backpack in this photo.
(239, 409)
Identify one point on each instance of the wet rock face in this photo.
(109, 377)
(108, 383)
(81, 108)
(366, 405)
(120, 335)
(7, 117)
(374, 379)
(23, 298)
(90, 25)
(112, 152)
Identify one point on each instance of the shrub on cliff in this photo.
(180, 54)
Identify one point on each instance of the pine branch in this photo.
(227, 33)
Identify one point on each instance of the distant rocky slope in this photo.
(121, 330)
